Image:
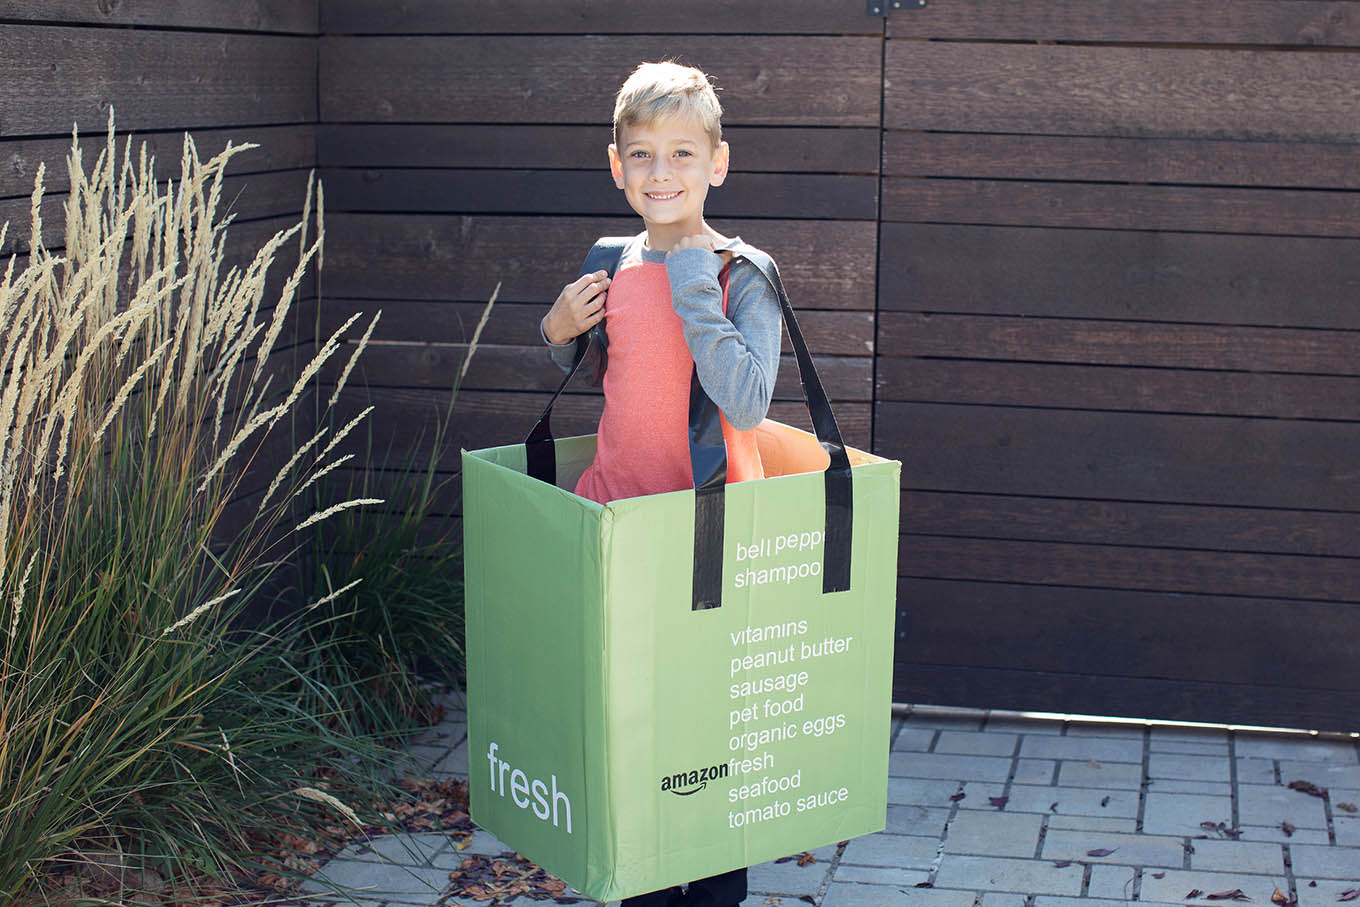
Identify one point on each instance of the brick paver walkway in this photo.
(989, 809)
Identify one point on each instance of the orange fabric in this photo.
(643, 439)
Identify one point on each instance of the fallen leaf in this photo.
(1349, 894)
(1308, 787)
(1284, 900)
(1053, 807)
(1063, 864)
(806, 858)
(1101, 852)
(1348, 807)
(1194, 893)
(999, 802)
(1159, 875)
(783, 859)
(1235, 895)
(807, 897)
(1105, 801)
(955, 798)
(1287, 829)
(924, 885)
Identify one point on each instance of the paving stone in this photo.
(1094, 823)
(1326, 894)
(1348, 832)
(881, 875)
(1346, 795)
(1189, 768)
(482, 843)
(1100, 774)
(945, 718)
(1044, 900)
(379, 880)
(1129, 850)
(1255, 771)
(1237, 856)
(916, 820)
(914, 739)
(1034, 771)
(974, 743)
(956, 768)
(1074, 801)
(923, 791)
(1201, 741)
(1188, 732)
(1002, 899)
(1112, 882)
(1181, 786)
(999, 834)
(1113, 731)
(1181, 814)
(856, 894)
(403, 849)
(455, 763)
(791, 879)
(1190, 748)
(1296, 747)
(907, 851)
(419, 759)
(995, 874)
(1275, 834)
(1098, 749)
(1324, 774)
(1177, 883)
(1016, 723)
(1313, 861)
(1259, 804)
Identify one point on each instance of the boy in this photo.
(678, 302)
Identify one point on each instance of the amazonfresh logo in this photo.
(682, 784)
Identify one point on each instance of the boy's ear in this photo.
(615, 165)
(720, 161)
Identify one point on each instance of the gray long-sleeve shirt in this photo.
(736, 355)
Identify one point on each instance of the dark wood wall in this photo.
(1119, 294)
(1090, 269)
(239, 72)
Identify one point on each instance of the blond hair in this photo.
(658, 90)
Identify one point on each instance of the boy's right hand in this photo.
(579, 307)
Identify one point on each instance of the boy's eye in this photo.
(684, 153)
(638, 154)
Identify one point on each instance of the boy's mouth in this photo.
(663, 196)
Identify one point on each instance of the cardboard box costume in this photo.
(671, 686)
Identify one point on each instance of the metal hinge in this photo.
(883, 7)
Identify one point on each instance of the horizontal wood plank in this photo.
(1114, 633)
(152, 79)
(1280, 212)
(774, 80)
(280, 148)
(591, 192)
(528, 368)
(1298, 23)
(295, 16)
(825, 264)
(594, 17)
(1329, 579)
(1230, 347)
(491, 418)
(1123, 456)
(832, 333)
(754, 149)
(1198, 162)
(1124, 389)
(1243, 529)
(1122, 91)
(1148, 698)
(1173, 277)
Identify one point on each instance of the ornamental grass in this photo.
(149, 720)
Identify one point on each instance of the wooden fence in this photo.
(1090, 269)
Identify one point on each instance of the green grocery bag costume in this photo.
(671, 686)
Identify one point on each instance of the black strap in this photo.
(539, 449)
(708, 453)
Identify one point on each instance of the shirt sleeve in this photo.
(736, 355)
(564, 354)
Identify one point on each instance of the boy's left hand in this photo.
(700, 241)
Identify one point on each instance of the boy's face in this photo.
(665, 169)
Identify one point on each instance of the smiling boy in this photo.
(683, 299)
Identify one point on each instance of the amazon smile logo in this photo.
(684, 784)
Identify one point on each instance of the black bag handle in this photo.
(708, 453)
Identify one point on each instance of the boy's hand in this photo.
(579, 307)
(700, 241)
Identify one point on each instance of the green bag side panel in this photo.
(705, 774)
(534, 661)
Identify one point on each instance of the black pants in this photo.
(726, 890)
